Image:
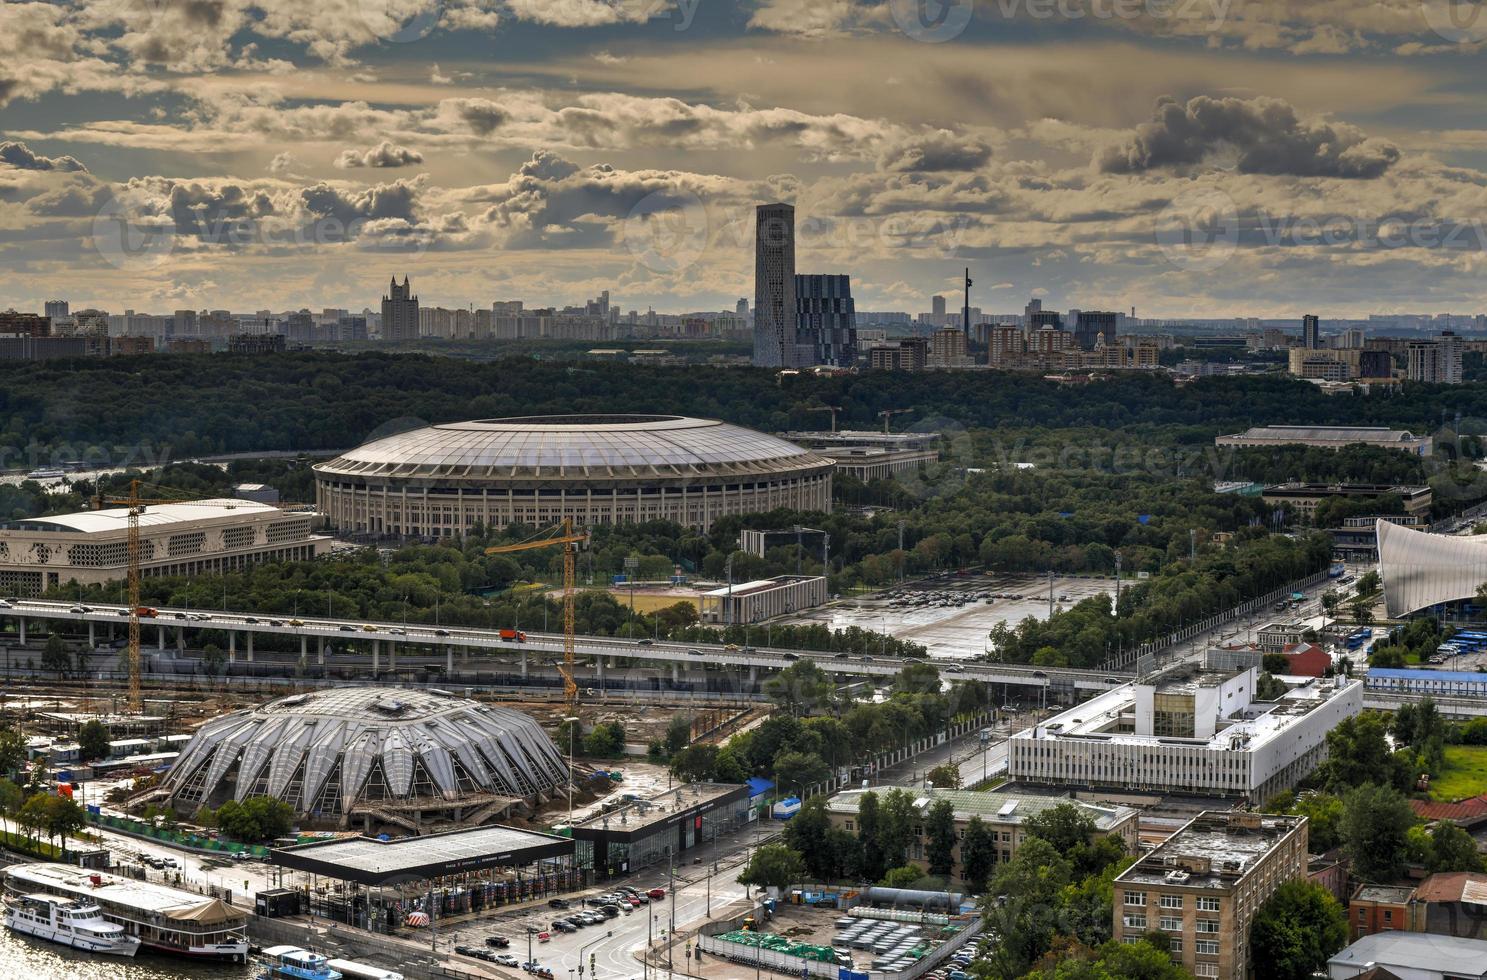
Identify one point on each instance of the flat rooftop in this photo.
(1342, 489)
(1214, 850)
(155, 515)
(1418, 952)
(373, 861)
(1258, 724)
(640, 815)
(760, 585)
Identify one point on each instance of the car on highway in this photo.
(791, 656)
(296, 622)
(441, 632)
(645, 642)
(346, 628)
(5, 605)
(841, 656)
(251, 620)
(397, 631)
(694, 653)
(79, 609)
(369, 628)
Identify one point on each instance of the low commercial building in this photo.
(1204, 884)
(1423, 681)
(1275, 637)
(1002, 811)
(643, 832)
(1304, 498)
(1187, 731)
(200, 537)
(753, 602)
(1411, 956)
(1333, 437)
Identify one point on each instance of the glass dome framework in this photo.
(403, 755)
(443, 480)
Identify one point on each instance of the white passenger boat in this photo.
(71, 922)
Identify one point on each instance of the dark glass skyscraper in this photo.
(1311, 332)
(825, 321)
(774, 286)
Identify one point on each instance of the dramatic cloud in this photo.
(384, 154)
(19, 155)
(940, 150)
(1264, 135)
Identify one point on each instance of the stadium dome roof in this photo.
(574, 446)
(330, 751)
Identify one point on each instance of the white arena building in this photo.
(204, 536)
(1421, 570)
(442, 480)
(380, 756)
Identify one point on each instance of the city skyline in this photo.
(186, 155)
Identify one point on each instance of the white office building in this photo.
(1188, 731)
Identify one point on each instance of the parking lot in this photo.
(952, 615)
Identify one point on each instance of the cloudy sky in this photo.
(1185, 157)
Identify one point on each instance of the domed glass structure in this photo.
(397, 756)
(442, 480)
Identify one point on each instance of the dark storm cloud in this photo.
(933, 152)
(1264, 133)
(19, 155)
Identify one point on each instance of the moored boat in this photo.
(71, 922)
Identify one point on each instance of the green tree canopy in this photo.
(1297, 929)
(92, 740)
(773, 866)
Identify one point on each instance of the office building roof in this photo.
(1416, 952)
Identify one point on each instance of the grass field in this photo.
(1465, 774)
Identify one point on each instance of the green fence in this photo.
(199, 842)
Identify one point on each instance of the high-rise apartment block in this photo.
(774, 286)
(400, 313)
(1435, 361)
(56, 308)
(937, 305)
(1311, 332)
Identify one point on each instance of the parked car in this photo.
(506, 959)
(499, 942)
(559, 903)
(563, 925)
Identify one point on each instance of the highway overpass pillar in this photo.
(376, 655)
(23, 630)
(524, 665)
(232, 646)
(250, 647)
(599, 666)
(448, 659)
(160, 638)
(92, 634)
(304, 649)
(753, 673)
(320, 651)
(180, 638)
(392, 655)
(676, 673)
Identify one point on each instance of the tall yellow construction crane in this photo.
(565, 535)
(136, 505)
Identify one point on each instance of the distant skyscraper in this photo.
(1089, 325)
(1033, 306)
(400, 313)
(1311, 332)
(937, 305)
(743, 306)
(825, 321)
(56, 308)
(774, 286)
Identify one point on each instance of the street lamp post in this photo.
(572, 721)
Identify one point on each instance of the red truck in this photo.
(513, 636)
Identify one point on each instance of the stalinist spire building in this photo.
(399, 312)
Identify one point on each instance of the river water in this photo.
(27, 958)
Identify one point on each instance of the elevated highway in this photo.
(381, 643)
